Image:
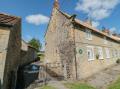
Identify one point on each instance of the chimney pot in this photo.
(56, 4)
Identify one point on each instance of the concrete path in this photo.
(105, 77)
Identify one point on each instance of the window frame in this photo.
(100, 50)
(88, 34)
(92, 50)
(107, 51)
(105, 40)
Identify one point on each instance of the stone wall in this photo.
(12, 56)
(86, 68)
(4, 37)
(63, 42)
(60, 43)
(28, 56)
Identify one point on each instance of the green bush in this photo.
(118, 61)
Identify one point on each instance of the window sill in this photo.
(90, 59)
(101, 58)
(89, 39)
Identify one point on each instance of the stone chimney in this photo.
(88, 21)
(56, 4)
(106, 31)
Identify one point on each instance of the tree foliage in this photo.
(35, 43)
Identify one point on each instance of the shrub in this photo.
(118, 61)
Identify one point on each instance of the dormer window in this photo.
(88, 35)
(105, 40)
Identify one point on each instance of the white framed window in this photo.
(117, 53)
(105, 40)
(88, 35)
(113, 55)
(107, 52)
(90, 53)
(100, 52)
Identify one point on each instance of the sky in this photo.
(35, 14)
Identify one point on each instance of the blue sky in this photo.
(105, 14)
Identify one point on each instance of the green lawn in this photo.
(115, 85)
(47, 87)
(78, 86)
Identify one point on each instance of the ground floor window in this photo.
(100, 53)
(107, 52)
(90, 53)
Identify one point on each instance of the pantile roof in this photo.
(8, 20)
(91, 27)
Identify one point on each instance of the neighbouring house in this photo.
(75, 49)
(10, 48)
(28, 54)
(14, 52)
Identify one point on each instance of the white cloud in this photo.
(97, 9)
(37, 19)
(95, 23)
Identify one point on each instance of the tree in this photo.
(35, 43)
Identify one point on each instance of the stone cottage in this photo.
(10, 48)
(80, 49)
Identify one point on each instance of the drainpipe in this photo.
(75, 54)
(73, 19)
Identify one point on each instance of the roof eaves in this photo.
(8, 20)
(88, 26)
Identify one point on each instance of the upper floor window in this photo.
(107, 52)
(90, 53)
(88, 35)
(105, 40)
(100, 52)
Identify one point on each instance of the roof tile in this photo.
(8, 19)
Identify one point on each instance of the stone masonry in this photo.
(10, 47)
(66, 43)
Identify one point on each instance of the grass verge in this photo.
(115, 85)
(78, 86)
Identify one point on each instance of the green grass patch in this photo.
(78, 86)
(47, 87)
(115, 85)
